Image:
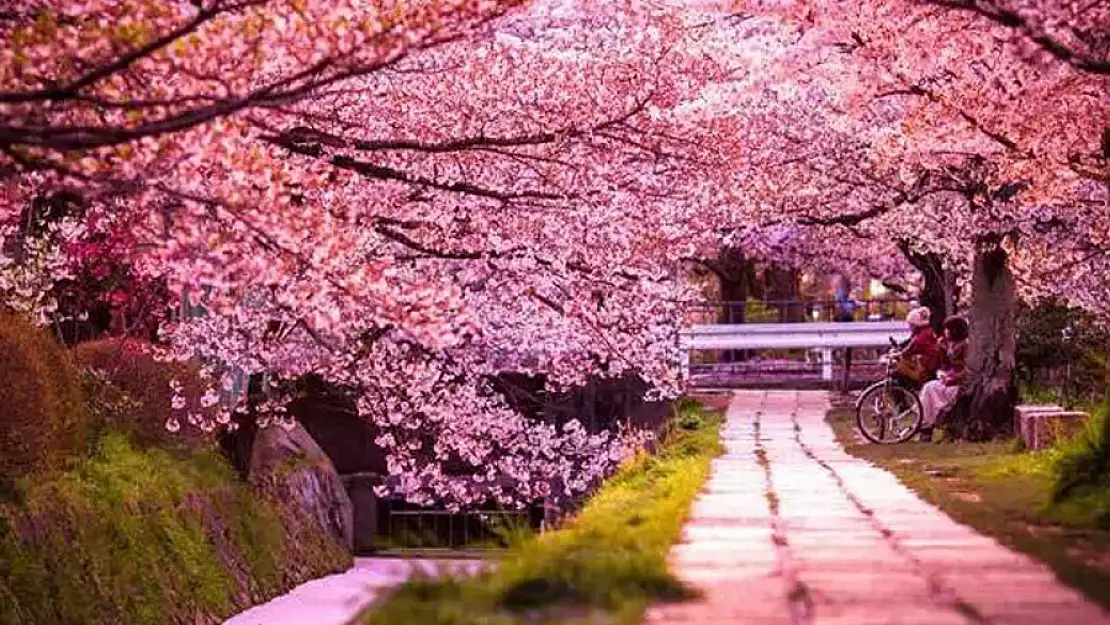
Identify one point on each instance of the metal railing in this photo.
(780, 336)
(824, 368)
(433, 530)
(752, 342)
(797, 311)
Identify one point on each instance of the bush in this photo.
(130, 391)
(42, 408)
(1062, 348)
(688, 414)
(1081, 475)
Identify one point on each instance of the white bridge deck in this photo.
(823, 337)
(828, 335)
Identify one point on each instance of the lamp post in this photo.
(1066, 336)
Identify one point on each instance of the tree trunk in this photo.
(736, 295)
(735, 280)
(951, 294)
(986, 406)
(782, 288)
(932, 296)
(735, 274)
(939, 293)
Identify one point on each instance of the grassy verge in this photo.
(604, 566)
(1004, 493)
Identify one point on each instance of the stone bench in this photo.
(1039, 426)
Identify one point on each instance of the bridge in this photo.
(797, 350)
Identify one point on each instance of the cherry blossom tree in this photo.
(913, 120)
(408, 198)
(1075, 33)
(403, 205)
(108, 81)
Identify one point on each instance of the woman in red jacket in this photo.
(922, 355)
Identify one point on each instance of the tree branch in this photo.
(1006, 17)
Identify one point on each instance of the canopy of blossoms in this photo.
(407, 198)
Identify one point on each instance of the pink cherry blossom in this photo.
(409, 198)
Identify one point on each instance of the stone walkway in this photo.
(338, 599)
(791, 530)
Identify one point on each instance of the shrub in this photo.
(1081, 474)
(689, 414)
(1085, 460)
(1061, 347)
(42, 409)
(130, 391)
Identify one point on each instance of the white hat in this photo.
(918, 317)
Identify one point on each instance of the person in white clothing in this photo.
(941, 394)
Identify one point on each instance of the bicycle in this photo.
(893, 410)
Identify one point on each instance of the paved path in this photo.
(338, 599)
(791, 530)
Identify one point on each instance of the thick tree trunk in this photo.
(986, 407)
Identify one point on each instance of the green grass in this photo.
(604, 566)
(1006, 493)
(146, 537)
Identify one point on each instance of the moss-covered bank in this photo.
(144, 536)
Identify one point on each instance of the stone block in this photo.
(1040, 427)
(1024, 409)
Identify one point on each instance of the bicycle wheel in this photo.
(888, 414)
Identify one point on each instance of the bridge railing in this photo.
(778, 336)
(796, 311)
(717, 352)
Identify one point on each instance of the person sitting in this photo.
(920, 357)
(940, 394)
